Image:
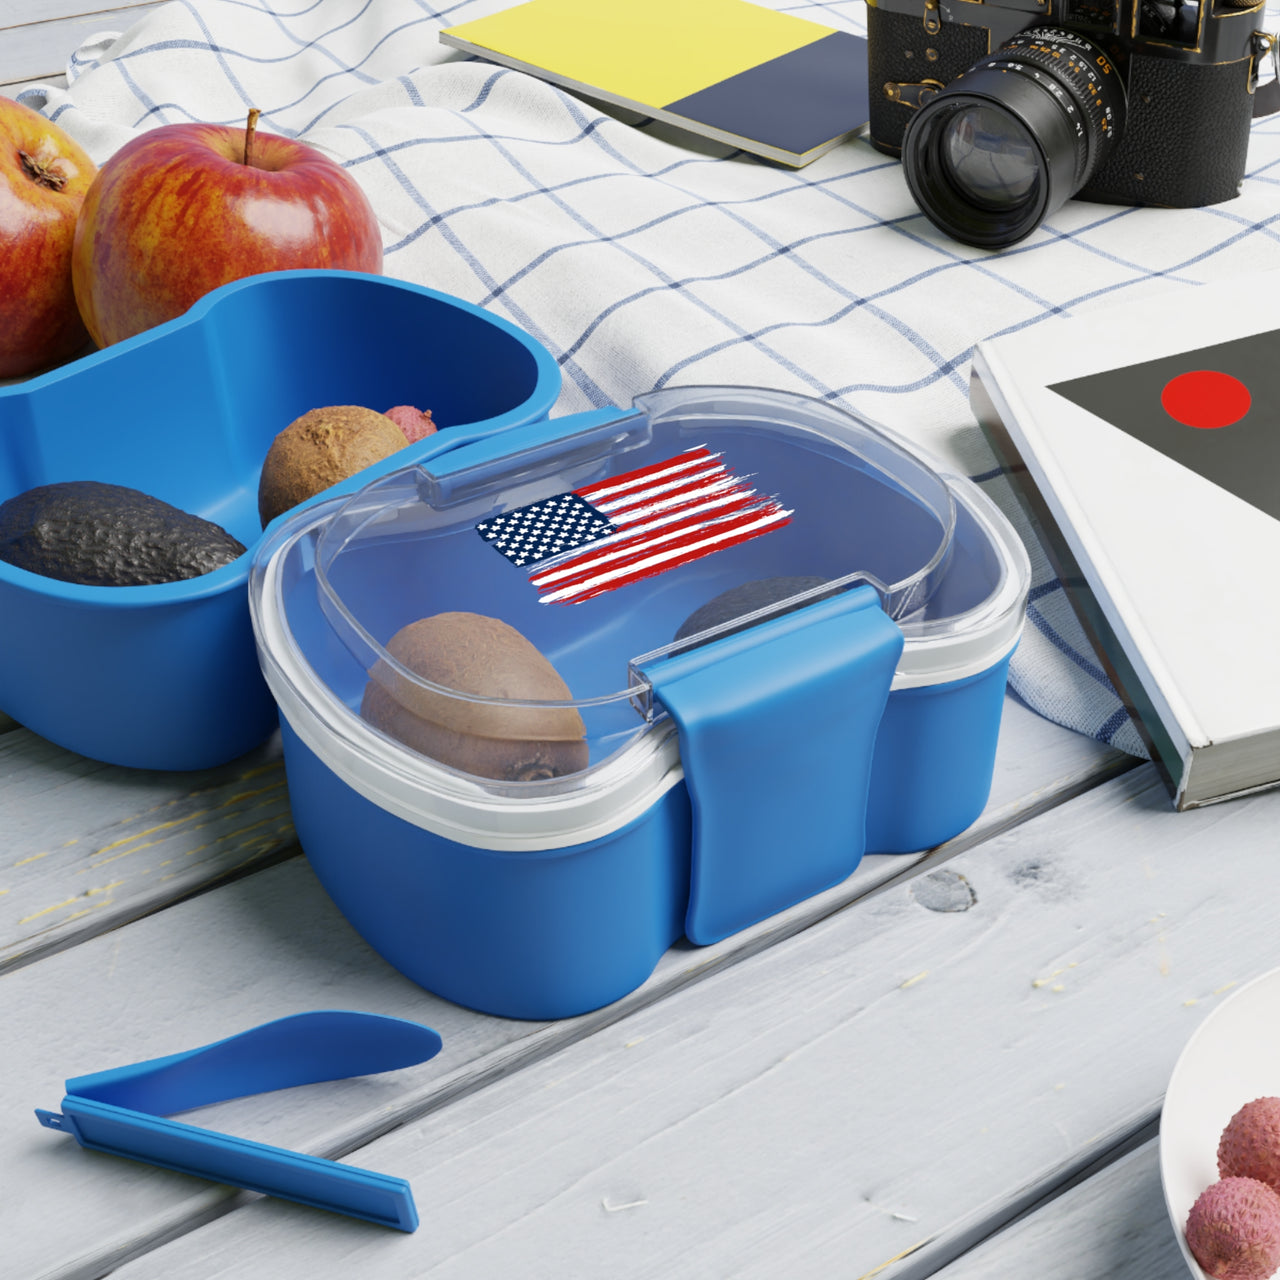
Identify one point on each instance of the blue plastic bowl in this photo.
(165, 676)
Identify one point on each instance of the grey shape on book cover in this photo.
(1243, 457)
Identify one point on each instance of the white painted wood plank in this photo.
(263, 947)
(1112, 1225)
(36, 51)
(260, 948)
(16, 13)
(872, 1097)
(272, 944)
(12, 90)
(88, 846)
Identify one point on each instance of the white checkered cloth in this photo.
(642, 257)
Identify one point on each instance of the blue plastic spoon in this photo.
(121, 1111)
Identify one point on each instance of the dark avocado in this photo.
(107, 535)
(743, 599)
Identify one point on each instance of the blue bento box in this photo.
(782, 634)
(165, 676)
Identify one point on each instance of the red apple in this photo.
(43, 179)
(185, 208)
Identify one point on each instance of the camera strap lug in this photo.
(932, 17)
(1266, 98)
(913, 95)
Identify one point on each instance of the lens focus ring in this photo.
(1074, 65)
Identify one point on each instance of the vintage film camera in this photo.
(1002, 111)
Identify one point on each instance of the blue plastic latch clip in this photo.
(121, 1111)
(777, 727)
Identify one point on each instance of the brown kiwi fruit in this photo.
(474, 654)
(319, 449)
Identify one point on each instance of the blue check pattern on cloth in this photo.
(642, 257)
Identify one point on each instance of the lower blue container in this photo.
(776, 637)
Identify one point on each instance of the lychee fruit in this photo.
(415, 423)
(1250, 1144)
(1233, 1230)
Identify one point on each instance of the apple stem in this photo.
(41, 174)
(249, 130)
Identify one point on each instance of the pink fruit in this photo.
(1233, 1230)
(415, 423)
(1250, 1144)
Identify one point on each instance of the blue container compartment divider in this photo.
(165, 676)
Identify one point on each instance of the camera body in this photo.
(1188, 73)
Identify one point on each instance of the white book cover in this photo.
(1145, 439)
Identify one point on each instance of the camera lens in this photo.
(1014, 137)
(989, 158)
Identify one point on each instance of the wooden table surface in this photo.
(951, 1065)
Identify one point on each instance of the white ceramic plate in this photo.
(1233, 1057)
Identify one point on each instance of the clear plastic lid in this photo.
(499, 613)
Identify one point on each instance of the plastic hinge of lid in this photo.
(777, 727)
(119, 1111)
(531, 449)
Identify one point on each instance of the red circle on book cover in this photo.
(1205, 398)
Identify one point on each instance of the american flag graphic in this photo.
(580, 544)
